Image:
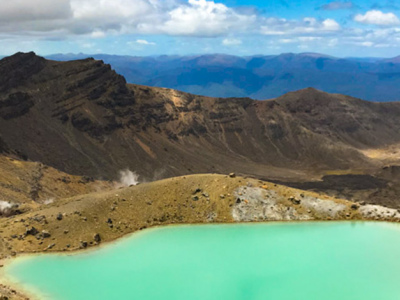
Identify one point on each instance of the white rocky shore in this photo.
(260, 204)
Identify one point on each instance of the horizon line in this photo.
(206, 54)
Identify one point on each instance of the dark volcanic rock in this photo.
(45, 234)
(31, 231)
(18, 68)
(83, 244)
(97, 238)
(3, 146)
(82, 118)
(15, 105)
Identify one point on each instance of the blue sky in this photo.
(184, 27)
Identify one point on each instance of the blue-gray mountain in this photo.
(260, 77)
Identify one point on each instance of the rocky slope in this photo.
(28, 185)
(82, 118)
(87, 220)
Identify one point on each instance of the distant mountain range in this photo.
(259, 77)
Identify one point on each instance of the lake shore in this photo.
(96, 251)
(88, 221)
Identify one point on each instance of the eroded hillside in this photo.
(82, 118)
(29, 185)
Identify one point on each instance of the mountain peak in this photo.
(22, 56)
(304, 93)
(394, 60)
(316, 55)
(312, 99)
(18, 68)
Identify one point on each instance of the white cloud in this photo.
(144, 42)
(330, 25)
(309, 38)
(203, 18)
(231, 42)
(323, 40)
(376, 17)
(274, 26)
(287, 41)
(106, 10)
(367, 44)
(301, 40)
(28, 22)
(97, 18)
(98, 34)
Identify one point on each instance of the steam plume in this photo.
(48, 201)
(128, 178)
(7, 208)
(4, 205)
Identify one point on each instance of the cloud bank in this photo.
(28, 21)
(98, 18)
(376, 17)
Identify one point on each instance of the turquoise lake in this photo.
(296, 261)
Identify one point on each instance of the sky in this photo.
(358, 28)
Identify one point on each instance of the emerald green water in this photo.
(296, 261)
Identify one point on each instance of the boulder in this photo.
(198, 190)
(45, 234)
(97, 238)
(31, 231)
(294, 200)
